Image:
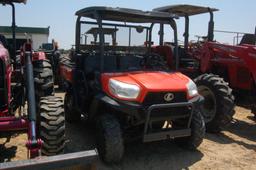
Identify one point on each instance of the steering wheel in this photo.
(154, 61)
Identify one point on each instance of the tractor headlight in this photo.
(192, 89)
(123, 90)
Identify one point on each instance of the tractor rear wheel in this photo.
(197, 132)
(72, 115)
(109, 139)
(51, 122)
(218, 107)
(43, 78)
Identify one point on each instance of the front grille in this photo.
(171, 112)
(158, 98)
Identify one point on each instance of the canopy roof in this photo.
(125, 14)
(183, 10)
(12, 1)
(107, 31)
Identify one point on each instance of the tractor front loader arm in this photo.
(34, 145)
(85, 160)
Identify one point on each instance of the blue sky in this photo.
(59, 15)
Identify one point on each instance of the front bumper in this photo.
(156, 113)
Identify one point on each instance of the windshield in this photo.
(116, 37)
(127, 47)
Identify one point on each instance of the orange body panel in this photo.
(149, 81)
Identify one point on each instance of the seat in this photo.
(165, 51)
(130, 62)
(92, 63)
(248, 39)
(111, 63)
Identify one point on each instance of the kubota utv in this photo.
(27, 102)
(126, 90)
(209, 63)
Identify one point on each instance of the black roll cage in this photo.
(98, 15)
(189, 10)
(210, 35)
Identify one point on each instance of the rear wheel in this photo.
(72, 115)
(218, 107)
(52, 125)
(197, 132)
(109, 139)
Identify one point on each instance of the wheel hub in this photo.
(209, 106)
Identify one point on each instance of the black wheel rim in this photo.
(209, 107)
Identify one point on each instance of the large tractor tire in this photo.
(109, 139)
(72, 114)
(43, 78)
(51, 122)
(197, 132)
(218, 107)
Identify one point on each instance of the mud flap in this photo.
(85, 160)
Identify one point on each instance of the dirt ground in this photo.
(234, 148)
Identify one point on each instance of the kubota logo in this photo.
(168, 97)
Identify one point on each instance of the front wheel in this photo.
(51, 122)
(197, 132)
(109, 139)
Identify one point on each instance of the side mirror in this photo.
(139, 29)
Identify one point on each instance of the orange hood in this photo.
(153, 81)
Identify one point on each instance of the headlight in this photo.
(123, 90)
(192, 89)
